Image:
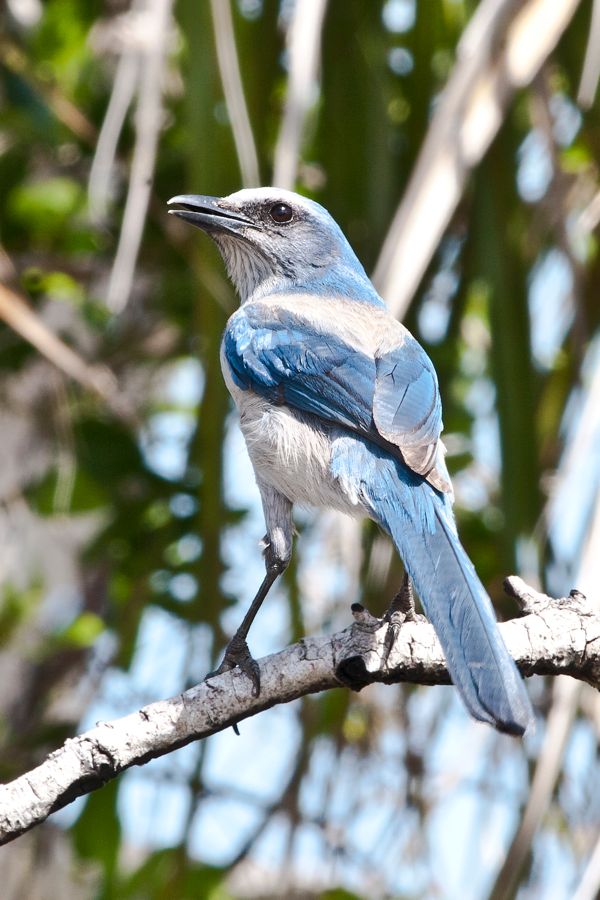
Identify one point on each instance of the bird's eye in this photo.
(281, 213)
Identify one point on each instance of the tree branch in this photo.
(554, 637)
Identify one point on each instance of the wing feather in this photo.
(391, 399)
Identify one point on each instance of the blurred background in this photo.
(457, 145)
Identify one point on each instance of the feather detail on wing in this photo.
(391, 398)
(407, 410)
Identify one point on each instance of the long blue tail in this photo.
(421, 524)
(461, 612)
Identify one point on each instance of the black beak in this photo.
(208, 213)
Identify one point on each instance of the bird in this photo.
(340, 408)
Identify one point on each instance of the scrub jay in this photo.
(340, 408)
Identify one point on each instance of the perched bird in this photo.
(340, 408)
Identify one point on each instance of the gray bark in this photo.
(553, 637)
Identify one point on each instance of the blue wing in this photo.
(407, 402)
(392, 399)
(407, 410)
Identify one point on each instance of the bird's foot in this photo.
(238, 654)
(400, 610)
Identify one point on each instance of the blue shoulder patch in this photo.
(392, 401)
(288, 361)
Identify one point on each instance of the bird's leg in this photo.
(400, 610)
(277, 552)
(237, 652)
(403, 603)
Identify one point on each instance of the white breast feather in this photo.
(292, 455)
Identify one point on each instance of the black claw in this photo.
(403, 603)
(400, 610)
(394, 623)
(250, 668)
(238, 654)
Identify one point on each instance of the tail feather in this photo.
(458, 607)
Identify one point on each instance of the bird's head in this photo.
(275, 241)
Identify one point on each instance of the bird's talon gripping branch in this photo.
(238, 654)
(403, 603)
(394, 624)
(400, 610)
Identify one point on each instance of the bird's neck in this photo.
(341, 282)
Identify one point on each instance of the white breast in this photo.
(291, 454)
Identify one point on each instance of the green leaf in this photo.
(45, 205)
(80, 494)
(83, 631)
(16, 607)
(97, 831)
(340, 894)
(170, 873)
